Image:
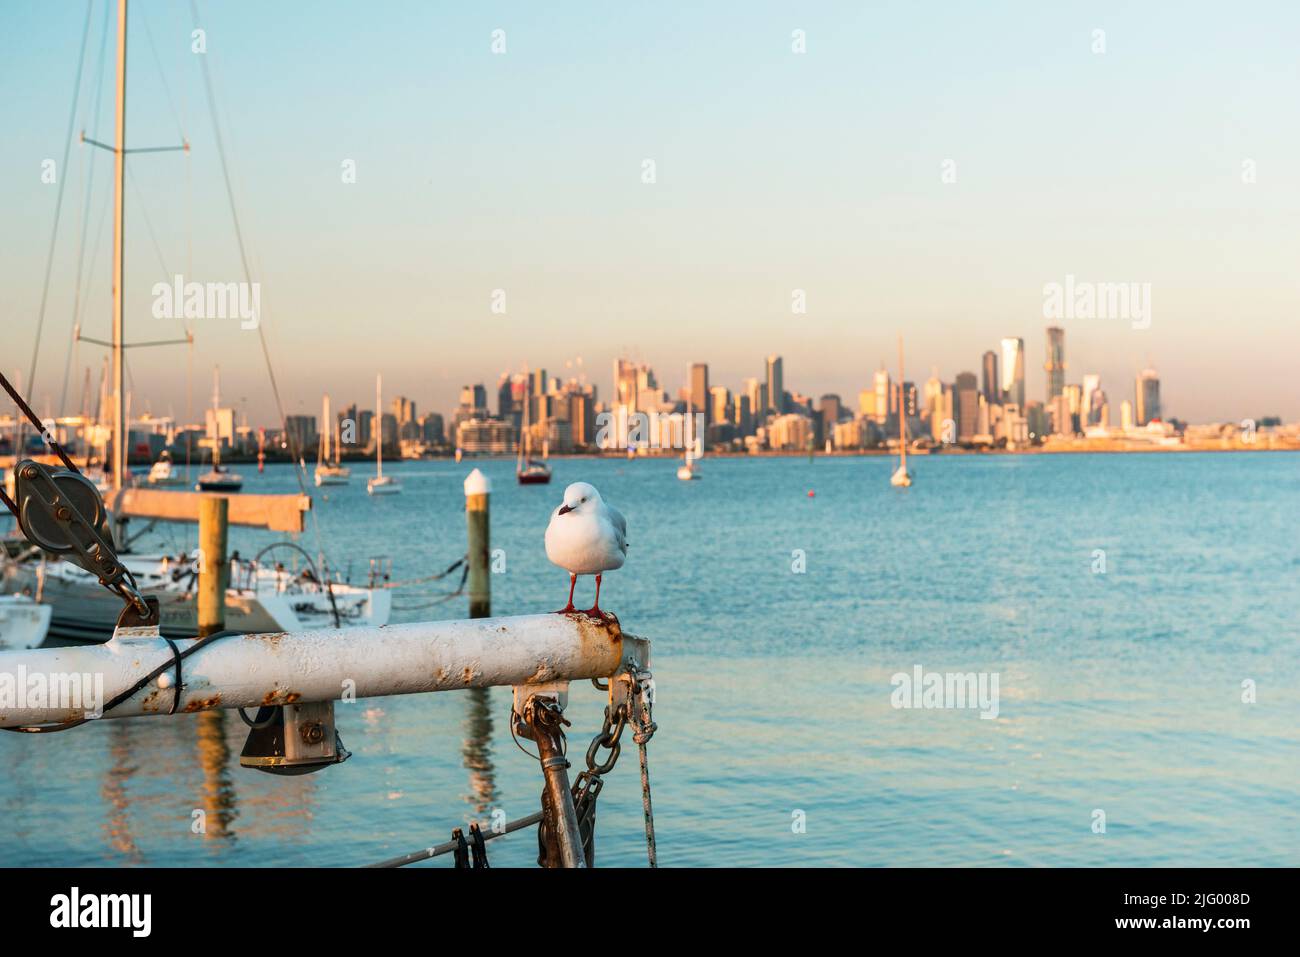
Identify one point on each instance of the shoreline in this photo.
(1080, 448)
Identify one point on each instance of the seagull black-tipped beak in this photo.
(565, 508)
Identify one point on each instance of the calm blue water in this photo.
(1119, 691)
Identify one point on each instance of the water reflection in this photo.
(218, 790)
(477, 749)
(117, 828)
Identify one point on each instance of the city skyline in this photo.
(530, 182)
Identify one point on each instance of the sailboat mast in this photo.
(902, 413)
(524, 448)
(119, 169)
(378, 427)
(323, 452)
(216, 417)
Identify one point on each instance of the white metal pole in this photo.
(245, 671)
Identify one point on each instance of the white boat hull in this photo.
(23, 623)
(384, 486)
(901, 478)
(332, 477)
(84, 610)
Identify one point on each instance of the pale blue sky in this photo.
(776, 171)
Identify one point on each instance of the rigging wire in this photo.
(295, 454)
(60, 172)
(78, 299)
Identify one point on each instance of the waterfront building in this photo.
(582, 418)
(848, 434)
(1013, 371)
(698, 392)
(775, 385)
(432, 429)
(719, 405)
(992, 387)
(1148, 397)
(966, 406)
(1036, 420)
(1091, 386)
(884, 403)
(790, 432)
(485, 435)
(301, 432)
(1055, 364)
(744, 415)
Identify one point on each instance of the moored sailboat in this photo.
(380, 484)
(218, 479)
(527, 470)
(901, 478)
(164, 473)
(329, 471)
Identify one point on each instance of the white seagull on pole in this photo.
(586, 537)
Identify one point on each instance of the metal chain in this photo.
(643, 729)
(587, 785)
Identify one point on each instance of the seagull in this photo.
(586, 537)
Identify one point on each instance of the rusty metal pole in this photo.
(543, 721)
(214, 571)
(478, 490)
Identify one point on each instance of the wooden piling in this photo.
(214, 570)
(478, 491)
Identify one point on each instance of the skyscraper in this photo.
(885, 402)
(755, 390)
(719, 404)
(775, 385)
(699, 377)
(1013, 372)
(911, 406)
(992, 388)
(1091, 386)
(1055, 365)
(1148, 396)
(966, 406)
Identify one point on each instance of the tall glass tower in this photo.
(1013, 372)
(1148, 396)
(775, 385)
(1055, 362)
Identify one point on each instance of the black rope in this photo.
(176, 657)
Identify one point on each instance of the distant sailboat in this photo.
(688, 471)
(901, 478)
(380, 484)
(219, 479)
(164, 473)
(328, 469)
(527, 470)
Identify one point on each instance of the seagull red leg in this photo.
(573, 580)
(594, 611)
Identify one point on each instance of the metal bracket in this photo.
(541, 718)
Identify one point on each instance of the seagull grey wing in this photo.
(620, 526)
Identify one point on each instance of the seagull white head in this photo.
(577, 494)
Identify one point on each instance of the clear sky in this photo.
(776, 171)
